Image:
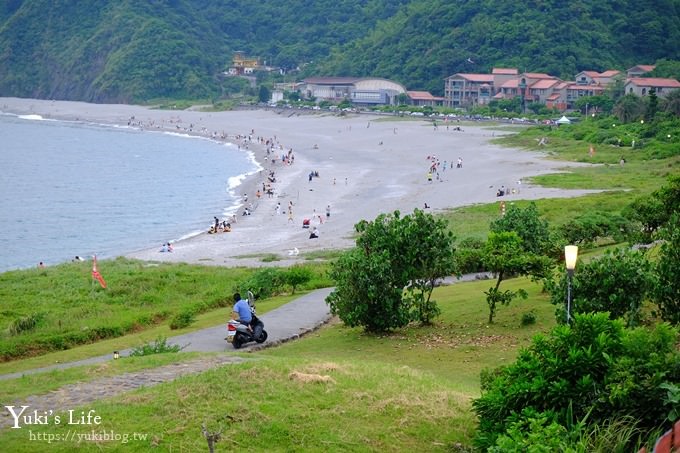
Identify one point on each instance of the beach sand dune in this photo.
(367, 165)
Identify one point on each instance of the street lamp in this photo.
(570, 255)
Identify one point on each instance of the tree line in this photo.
(129, 51)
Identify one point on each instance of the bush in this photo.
(616, 283)
(264, 283)
(528, 319)
(470, 255)
(183, 319)
(594, 370)
(25, 323)
(585, 230)
(159, 346)
(667, 289)
(297, 275)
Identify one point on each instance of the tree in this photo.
(387, 279)
(655, 210)
(602, 103)
(505, 256)
(652, 105)
(264, 95)
(297, 275)
(528, 225)
(667, 289)
(616, 282)
(629, 108)
(671, 103)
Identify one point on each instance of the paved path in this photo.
(287, 322)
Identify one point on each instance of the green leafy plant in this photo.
(616, 282)
(666, 291)
(183, 319)
(593, 367)
(528, 319)
(297, 275)
(505, 257)
(264, 283)
(159, 346)
(25, 323)
(387, 279)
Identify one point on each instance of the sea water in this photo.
(73, 188)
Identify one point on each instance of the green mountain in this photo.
(132, 51)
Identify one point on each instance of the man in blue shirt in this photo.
(246, 316)
(242, 310)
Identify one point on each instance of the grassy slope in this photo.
(371, 404)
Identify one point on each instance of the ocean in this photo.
(79, 189)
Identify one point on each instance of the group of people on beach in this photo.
(502, 191)
(435, 166)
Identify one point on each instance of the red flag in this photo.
(95, 273)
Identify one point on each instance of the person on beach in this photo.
(328, 212)
(314, 234)
(429, 176)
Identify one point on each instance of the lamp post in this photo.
(570, 255)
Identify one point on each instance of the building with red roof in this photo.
(642, 85)
(424, 98)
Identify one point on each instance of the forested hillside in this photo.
(131, 51)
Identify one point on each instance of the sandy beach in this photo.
(367, 165)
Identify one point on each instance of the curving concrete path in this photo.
(287, 322)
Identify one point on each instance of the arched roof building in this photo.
(360, 91)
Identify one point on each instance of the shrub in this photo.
(594, 367)
(616, 283)
(159, 346)
(528, 319)
(528, 225)
(470, 256)
(183, 319)
(297, 275)
(587, 229)
(25, 323)
(264, 283)
(667, 289)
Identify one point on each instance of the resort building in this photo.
(360, 91)
(639, 70)
(466, 90)
(424, 99)
(642, 85)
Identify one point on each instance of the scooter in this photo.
(239, 334)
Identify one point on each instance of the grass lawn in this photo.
(337, 389)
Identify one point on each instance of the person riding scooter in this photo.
(245, 315)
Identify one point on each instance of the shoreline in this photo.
(366, 164)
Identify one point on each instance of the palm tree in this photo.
(629, 108)
(671, 103)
